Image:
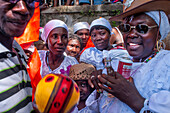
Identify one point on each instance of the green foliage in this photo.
(113, 24)
(114, 12)
(81, 12)
(89, 13)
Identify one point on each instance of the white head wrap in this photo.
(50, 26)
(102, 22)
(164, 26)
(79, 26)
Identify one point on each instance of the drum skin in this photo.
(56, 93)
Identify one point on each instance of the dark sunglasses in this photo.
(30, 3)
(140, 28)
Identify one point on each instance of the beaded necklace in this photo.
(148, 58)
(145, 61)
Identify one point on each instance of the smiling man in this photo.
(15, 87)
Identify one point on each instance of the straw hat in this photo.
(131, 7)
(81, 71)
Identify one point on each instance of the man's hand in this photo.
(93, 81)
(121, 88)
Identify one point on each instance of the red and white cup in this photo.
(124, 67)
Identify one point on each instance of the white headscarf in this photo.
(102, 22)
(79, 26)
(164, 26)
(50, 26)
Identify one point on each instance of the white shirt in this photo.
(152, 80)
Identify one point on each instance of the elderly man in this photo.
(15, 87)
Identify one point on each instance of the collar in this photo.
(3, 48)
(18, 48)
(6, 53)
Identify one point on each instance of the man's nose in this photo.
(74, 49)
(21, 7)
(84, 36)
(133, 33)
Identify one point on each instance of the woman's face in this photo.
(137, 44)
(84, 89)
(57, 40)
(84, 35)
(73, 48)
(100, 38)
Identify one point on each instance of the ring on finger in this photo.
(92, 77)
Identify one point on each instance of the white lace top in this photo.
(152, 80)
(62, 69)
(94, 56)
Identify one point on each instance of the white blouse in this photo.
(151, 79)
(95, 57)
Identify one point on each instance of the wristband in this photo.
(145, 106)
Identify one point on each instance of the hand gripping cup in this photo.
(56, 94)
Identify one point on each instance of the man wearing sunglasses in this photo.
(15, 87)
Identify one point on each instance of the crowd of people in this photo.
(53, 3)
(91, 56)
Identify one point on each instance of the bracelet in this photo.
(145, 106)
(146, 103)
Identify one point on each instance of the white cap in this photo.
(50, 26)
(79, 26)
(102, 22)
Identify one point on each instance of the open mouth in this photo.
(73, 54)
(134, 45)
